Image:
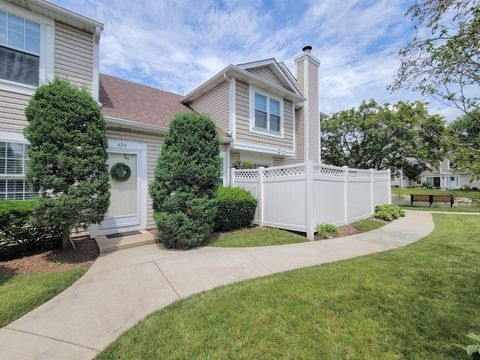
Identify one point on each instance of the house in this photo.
(441, 176)
(263, 112)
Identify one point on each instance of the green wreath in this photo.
(120, 172)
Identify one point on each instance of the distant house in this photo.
(442, 177)
(263, 112)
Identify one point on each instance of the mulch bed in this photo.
(53, 260)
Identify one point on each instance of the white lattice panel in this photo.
(246, 174)
(283, 172)
(359, 173)
(328, 170)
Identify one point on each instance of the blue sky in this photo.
(175, 45)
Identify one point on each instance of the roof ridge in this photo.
(140, 84)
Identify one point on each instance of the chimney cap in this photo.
(307, 48)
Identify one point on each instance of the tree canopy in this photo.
(383, 136)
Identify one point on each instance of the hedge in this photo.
(19, 232)
(235, 208)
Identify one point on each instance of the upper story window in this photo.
(19, 49)
(13, 161)
(266, 113)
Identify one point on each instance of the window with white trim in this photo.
(13, 161)
(19, 49)
(267, 114)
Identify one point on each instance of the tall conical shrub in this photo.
(186, 177)
(67, 156)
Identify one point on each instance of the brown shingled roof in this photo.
(126, 100)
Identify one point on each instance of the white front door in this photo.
(127, 210)
(453, 182)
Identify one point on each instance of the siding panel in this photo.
(154, 144)
(243, 133)
(216, 104)
(313, 112)
(12, 111)
(266, 74)
(74, 55)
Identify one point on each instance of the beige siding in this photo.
(267, 74)
(74, 55)
(243, 133)
(12, 111)
(154, 143)
(313, 112)
(234, 157)
(216, 104)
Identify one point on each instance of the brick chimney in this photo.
(307, 82)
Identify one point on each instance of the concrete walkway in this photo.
(123, 287)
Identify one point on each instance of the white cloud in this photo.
(176, 45)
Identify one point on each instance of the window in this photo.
(13, 159)
(19, 49)
(266, 114)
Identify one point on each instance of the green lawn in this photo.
(367, 224)
(422, 191)
(22, 293)
(411, 303)
(441, 208)
(257, 236)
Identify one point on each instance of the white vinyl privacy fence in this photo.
(300, 196)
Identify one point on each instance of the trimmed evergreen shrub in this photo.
(235, 208)
(186, 178)
(20, 233)
(388, 212)
(68, 154)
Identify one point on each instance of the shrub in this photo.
(246, 164)
(185, 183)
(235, 208)
(326, 230)
(388, 212)
(427, 185)
(475, 188)
(68, 155)
(20, 233)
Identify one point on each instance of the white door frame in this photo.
(140, 150)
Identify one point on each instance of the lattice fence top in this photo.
(246, 174)
(282, 172)
(382, 174)
(328, 170)
(357, 173)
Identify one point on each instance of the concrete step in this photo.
(124, 242)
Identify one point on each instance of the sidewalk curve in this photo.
(122, 287)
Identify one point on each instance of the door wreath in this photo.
(120, 172)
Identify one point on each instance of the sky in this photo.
(176, 45)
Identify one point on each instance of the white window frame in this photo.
(224, 174)
(17, 138)
(266, 132)
(47, 49)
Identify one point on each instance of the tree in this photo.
(67, 156)
(443, 61)
(382, 137)
(465, 135)
(186, 178)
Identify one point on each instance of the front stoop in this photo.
(106, 245)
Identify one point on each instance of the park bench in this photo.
(432, 198)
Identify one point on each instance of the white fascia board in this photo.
(263, 149)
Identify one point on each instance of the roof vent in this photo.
(307, 49)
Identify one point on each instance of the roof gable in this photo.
(271, 71)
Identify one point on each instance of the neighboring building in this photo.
(263, 113)
(442, 176)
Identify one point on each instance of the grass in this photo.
(20, 294)
(258, 236)
(411, 303)
(465, 209)
(423, 191)
(367, 224)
